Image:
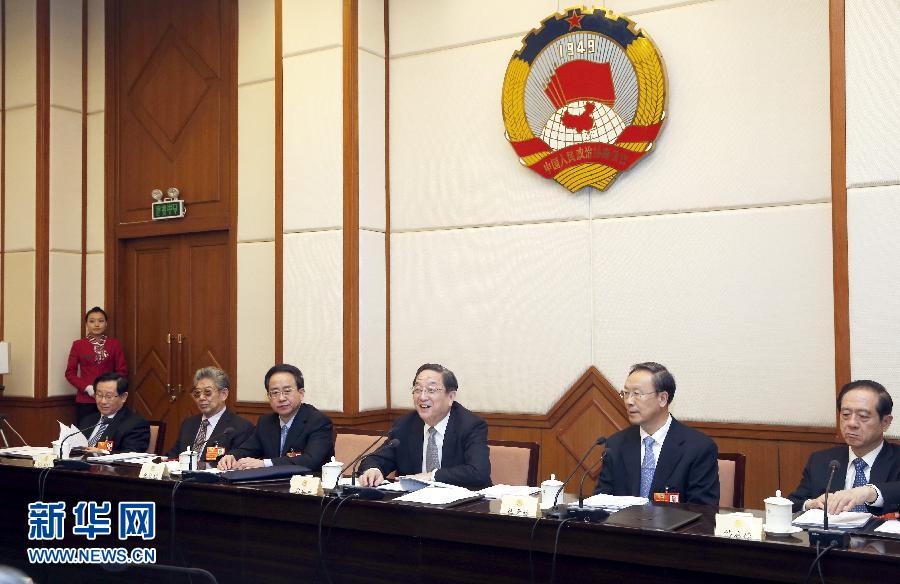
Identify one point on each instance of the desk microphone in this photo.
(829, 537)
(562, 511)
(68, 463)
(358, 459)
(588, 515)
(367, 493)
(5, 420)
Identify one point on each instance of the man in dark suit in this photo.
(440, 441)
(215, 430)
(867, 477)
(114, 428)
(658, 454)
(296, 433)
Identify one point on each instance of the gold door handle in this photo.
(171, 365)
(181, 339)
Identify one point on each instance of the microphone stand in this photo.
(588, 514)
(561, 511)
(829, 537)
(68, 463)
(367, 493)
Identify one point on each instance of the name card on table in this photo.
(155, 472)
(44, 460)
(306, 485)
(519, 505)
(739, 526)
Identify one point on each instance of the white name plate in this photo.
(44, 460)
(306, 485)
(739, 526)
(155, 472)
(519, 505)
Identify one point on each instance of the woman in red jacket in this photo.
(90, 357)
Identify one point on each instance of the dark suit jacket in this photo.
(129, 431)
(465, 459)
(310, 438)
(884, 474)
(231, 431)
(687, 465)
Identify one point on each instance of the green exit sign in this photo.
(168, 210)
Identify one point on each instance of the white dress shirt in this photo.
(281, 425)
(658, 438)
(870, 460)
(441, 428)
(97, 429)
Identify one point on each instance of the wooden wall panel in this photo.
(35, 419)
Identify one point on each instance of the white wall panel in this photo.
(421, 26)
(256, 318)
(21, 49)
(628, 7)
(874, 248)
(450, 162)
(738, 304)
(311, 24)
(313, 309)
(748, 121)
(95, 181)
(506, 308)
(873, 85)
(64, 323)
(96, 48)
(313, 138)
(65, 54)
(19, 222)
(372, 321)
(256, 161)
(65, 180)
(256, 40)
(371, 142)
(371, 26)
(94, 281)
(18, 322)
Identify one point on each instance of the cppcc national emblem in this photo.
(584, 98)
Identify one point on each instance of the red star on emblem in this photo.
(574, 20)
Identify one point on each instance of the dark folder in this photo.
(659, 518)
(268, 473)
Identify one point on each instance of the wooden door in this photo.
(172, 113)
(175, 300)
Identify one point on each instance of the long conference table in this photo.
(262, 533)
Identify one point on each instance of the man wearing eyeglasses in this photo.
(216, 430)
(658, 457)
(440, 441)
(867, 475)
(296, 433)
(114, 428)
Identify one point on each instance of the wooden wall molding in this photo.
(351, 205)
(840, 269)
(42, 201)
(35, 418)
(84, 156)
(279, 186)
(2, 173)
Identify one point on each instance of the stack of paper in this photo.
(612, 502)
(892, 526)
(385, 486)
(845, 520)
(437, 495)
(25, 451)
(500, 491)
(138, 457)
(72, 435)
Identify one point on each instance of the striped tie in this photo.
(431, 454)
(284, 432)
(104, 424)
(200, 440)
(648, 467)
(860, 480)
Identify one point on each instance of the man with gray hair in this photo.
(215, 431)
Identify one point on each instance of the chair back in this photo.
(514, 463)
(731, 479)
(157, 436)
(351, 442)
